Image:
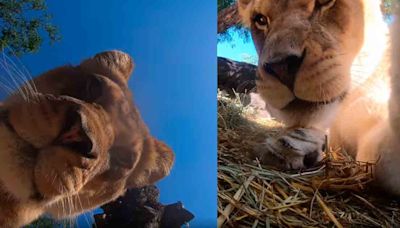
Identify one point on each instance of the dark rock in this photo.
(141, 208)
(236, 76)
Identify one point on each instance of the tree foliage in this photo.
(24, 24)
(225, 34)
(222, 4)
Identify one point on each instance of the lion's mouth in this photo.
(297, 102)
(303, 80)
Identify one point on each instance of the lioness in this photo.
(326, 64)
(74, 140)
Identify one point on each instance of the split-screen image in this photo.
(213, 113)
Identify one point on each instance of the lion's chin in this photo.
(283, 103)
(298, 101)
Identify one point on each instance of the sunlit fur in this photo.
(72, 139)
(348, 53)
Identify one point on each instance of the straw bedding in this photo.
(337, 193)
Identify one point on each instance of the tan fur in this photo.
(76, 143)
(348, 52)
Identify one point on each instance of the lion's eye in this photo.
(261, 21)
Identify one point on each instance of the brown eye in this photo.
(261, 21)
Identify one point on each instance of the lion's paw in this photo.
(294, 149)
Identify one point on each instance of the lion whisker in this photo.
(25, 76)
(18, 76)
(82, 209)
(6, 88)
(11, 79)
(27, 73)
(20, 79)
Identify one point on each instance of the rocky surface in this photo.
(141, 208)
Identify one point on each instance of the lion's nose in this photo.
(286, 69)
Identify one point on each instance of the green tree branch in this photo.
(24, 24)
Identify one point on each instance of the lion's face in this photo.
(52, 145)
(305, 48)
(78, 141)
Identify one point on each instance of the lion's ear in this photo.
(164, 161)
(116, 65)
(155, 163)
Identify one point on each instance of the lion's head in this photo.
(72, 139)
(306, 50)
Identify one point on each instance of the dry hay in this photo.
(250, 195)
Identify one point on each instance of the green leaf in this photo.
(24, 25)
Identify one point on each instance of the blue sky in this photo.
(174, 84)
(238, 49)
